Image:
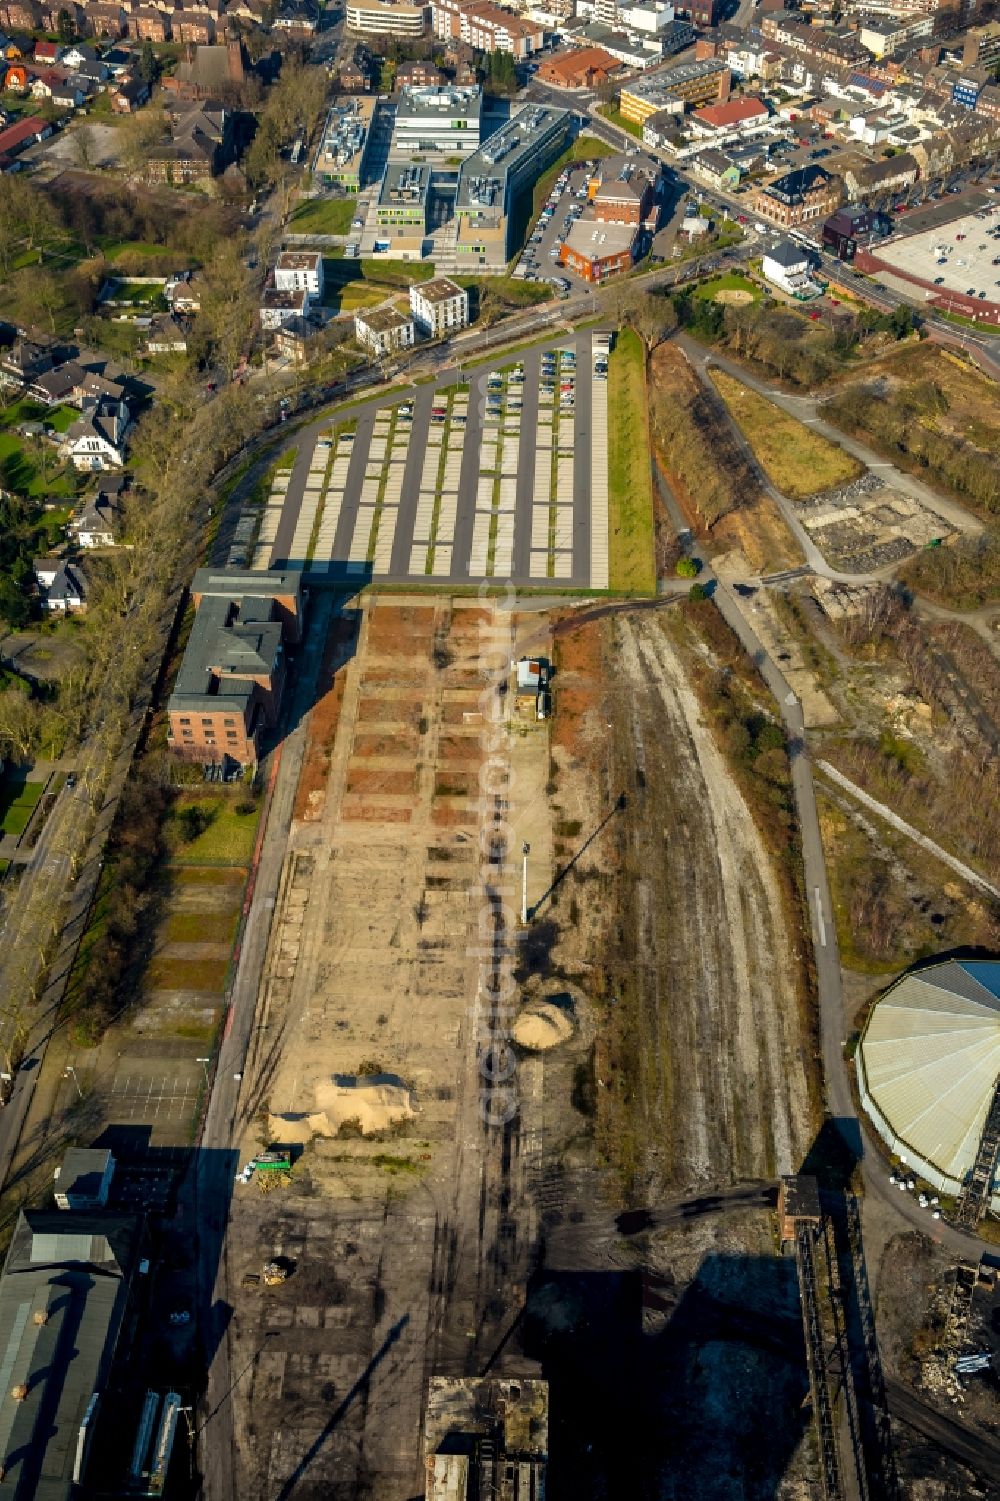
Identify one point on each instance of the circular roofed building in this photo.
(928, 1066)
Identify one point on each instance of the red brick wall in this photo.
(946, 302)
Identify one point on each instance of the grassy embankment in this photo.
(799, 462)
(323, 216)
(630, 490)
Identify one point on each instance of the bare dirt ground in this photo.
(711, 994)
(657, 923)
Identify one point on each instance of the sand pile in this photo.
(375, 1101)
(542, 1024)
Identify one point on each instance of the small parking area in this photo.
(539, 259)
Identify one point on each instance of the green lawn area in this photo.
(18, 800)
(113, 250)
(25, 473)
(207, 830)
(509, 291)
(61, 418)
(134, 291)
(323, 216)
(361, 283)
(22, 411)
(201, 927)
(630, 484)
(186, 974)
(612, 113)
(732, 281)
(798, 461)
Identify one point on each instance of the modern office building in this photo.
(342, 152)
(492, 178)
(704, 81)
(445, 119)
(386, 18)
(403, 197)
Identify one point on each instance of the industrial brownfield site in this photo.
(564, 1060)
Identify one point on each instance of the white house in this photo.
(278, 308)
(96, 524)
(300, 271)
(97, 440)
(384, 329)
(439, 307)
(61, 584)
(787, 266)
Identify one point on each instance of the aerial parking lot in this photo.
(500, 475)
(539, 260)
(962, 256)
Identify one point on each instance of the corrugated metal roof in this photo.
(931, 1057)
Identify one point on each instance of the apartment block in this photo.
(439, 307)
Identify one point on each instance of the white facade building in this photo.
(383, 330)
(439, 307)
(300, 271)
(786, 265)
(383, 18)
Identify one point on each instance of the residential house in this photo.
(97, 523)
(439, 307)
(184, 293)
(882, 179)
(352, 80)
(717, 169)
(62, 585)
(298, 18)
(383, 330)
(166, 335)
(96, 73)
(70, 94)
(47, 53)
(291, 340)
(42, 84)
(232, 677)
(55, 385)
(97, 440)
(79, 53)
(486, 27)
(25, 360)
(278, 307)
(300, 270)
(786, 265)
(195, 28)
(24, 17)
(418, 75)
(128, 96)
(16, 78)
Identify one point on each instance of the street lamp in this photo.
(70, 1073)
(525, 852)
(204, 1063)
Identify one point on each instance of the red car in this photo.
(814, 315)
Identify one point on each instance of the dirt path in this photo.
(722, 1095)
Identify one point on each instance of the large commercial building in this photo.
(928, 1066)
(487, 27)
(445, 119)
(493, 177)
(403, 198)
(66, 1307)
(342, 151)
(232, 677)
(701, 82)
(386, 18)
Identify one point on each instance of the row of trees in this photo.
(293, 107)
